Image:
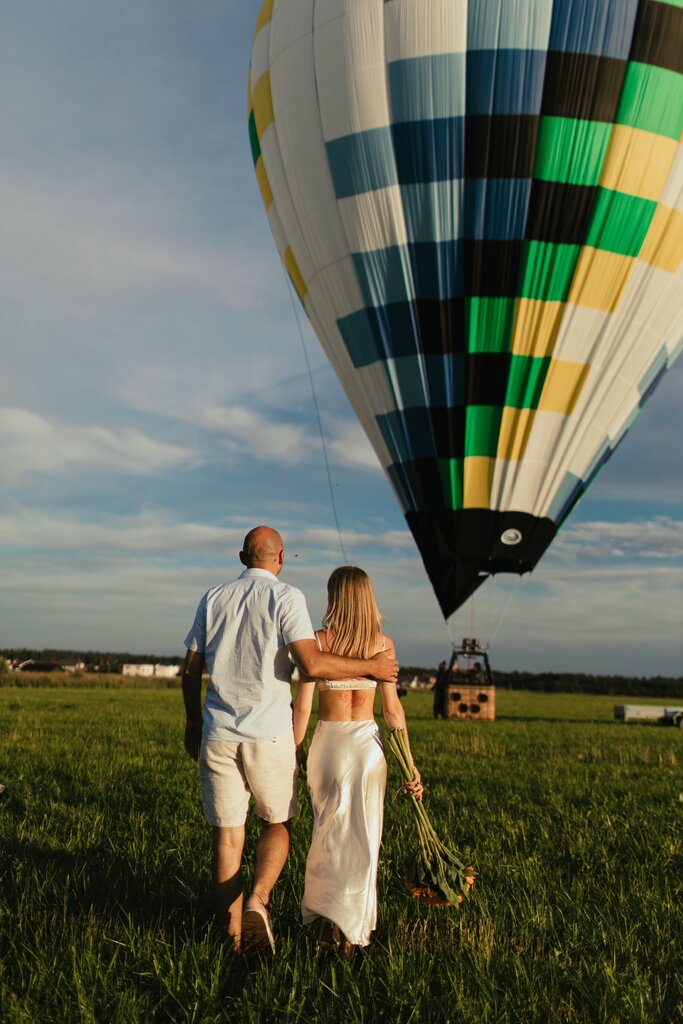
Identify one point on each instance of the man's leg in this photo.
(271, 853)
(228, 844)
(271, 772)
(272, 850)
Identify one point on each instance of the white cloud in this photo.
(602, 620)
(349, 446)
(73, 246)
(648, 465)
(262, 432)
(152, 532)
(32, 443)
(328, 539)
(658, 538)
(146, 532)
(133, 582)
(253, 432)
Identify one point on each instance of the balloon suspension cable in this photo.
(471, 625)
(513, 591)
(318, 419)
(450, 626)
(451, 632)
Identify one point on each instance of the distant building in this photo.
(138, 670)
(39, 666)
(165, 671)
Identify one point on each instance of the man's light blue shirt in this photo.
(243, 629)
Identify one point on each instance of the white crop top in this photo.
(347, 684)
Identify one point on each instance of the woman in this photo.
(347, 770)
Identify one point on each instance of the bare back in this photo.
(353, 704)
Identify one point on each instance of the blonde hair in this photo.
(352, 614)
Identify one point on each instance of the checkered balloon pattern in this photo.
(480, 206)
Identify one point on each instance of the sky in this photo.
(154, 396)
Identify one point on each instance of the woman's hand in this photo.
(414, 787)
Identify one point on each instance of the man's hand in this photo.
(192, 698)
(193, 738)
(384, 668)
(301, 760)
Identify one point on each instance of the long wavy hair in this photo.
(352, 615)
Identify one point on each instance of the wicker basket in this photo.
(471, 701)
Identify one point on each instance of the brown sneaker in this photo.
(258, 938)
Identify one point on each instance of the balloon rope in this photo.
(513, 591)
(471, 623)
(317, 416)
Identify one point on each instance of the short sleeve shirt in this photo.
(243, 629)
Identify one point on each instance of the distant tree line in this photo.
(576, 682)
(571, 682)
(547, 682)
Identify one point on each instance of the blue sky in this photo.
(154, 399)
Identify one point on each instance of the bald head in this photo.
(263, 549)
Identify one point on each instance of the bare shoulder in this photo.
(321, 639)
(386, 644)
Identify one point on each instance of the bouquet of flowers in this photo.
(433, 873)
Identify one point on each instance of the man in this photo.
(244, 632)
(440, 689)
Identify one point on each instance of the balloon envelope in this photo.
(479, 205)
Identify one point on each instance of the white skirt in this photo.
(347, 777)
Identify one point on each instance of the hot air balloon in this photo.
(480, 206)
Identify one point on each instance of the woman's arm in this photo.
(303, 702)
(395, 717)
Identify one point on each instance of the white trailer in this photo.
(649, 713)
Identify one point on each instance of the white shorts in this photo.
(232, 772)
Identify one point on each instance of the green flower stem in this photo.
(433, 865)
(400, 750)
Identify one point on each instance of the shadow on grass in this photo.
(98, 880)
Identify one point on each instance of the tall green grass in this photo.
(573, 820)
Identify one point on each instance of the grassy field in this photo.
(573, 821)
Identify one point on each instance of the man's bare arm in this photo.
(192, 696)
(320, 665)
